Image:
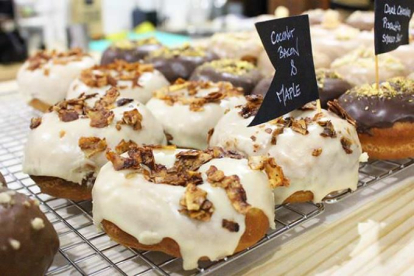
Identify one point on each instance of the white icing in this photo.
(53, 87)
(358, 67)
(333, 170)
(49, 154)
(189, 129)
(147, 84)
(149, 212)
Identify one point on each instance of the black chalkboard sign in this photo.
(392, 18)
(288, 44)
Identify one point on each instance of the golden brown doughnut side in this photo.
(256, 221)
(396, 142)
(39, 105)
(299, 197)
(61, 188)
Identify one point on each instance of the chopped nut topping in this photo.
(169, 137)
(195, 204)
(68, 115)
(252, 106)
(108, 100)
(253, 138)
(40, 59)
(35, 122)
(186, 93)
(300, 126)
(123, 101)
(124, 146)
(346, 145)
(132, 118)
(328, 129)
(273, 171)
(92, 145)
(38, 224)
(100, 118)
(209, 135)
(232, 186)
(275, 133)
(316, 152)
(334, 107)
(230, 225)
(62, 133)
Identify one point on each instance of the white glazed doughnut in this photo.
(362, 20)
(133, 80)
(181, 197)
(47, 75)
(188, 110)
(70, 142)
(358, 67)
(314, 155)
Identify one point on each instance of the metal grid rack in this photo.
(86, 250)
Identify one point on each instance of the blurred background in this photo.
(29, 25)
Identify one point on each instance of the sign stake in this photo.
(318, 105)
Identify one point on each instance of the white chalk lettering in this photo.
(283, 36)
(396, 26)
(404, 11)
(389, 9)
(288, 93)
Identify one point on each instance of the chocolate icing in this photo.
(130, 51)
(331, 86)
(239, 73)
(373, 109)
(26, 248)
(179, 62)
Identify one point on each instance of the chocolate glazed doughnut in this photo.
(180, 62)
(385, 118)
(130, 50)
(239, 73)
(28, 241)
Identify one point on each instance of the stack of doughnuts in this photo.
(44, 78)
(188, 110)
(384, 117)
(192, 204)
(133, 80)
(76, 134)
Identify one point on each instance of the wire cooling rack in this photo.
(86, 250)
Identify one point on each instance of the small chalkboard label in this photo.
(392, 18)
(287, 42)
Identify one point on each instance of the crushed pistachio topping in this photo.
(131, 44)
(323, 74)
(185, 50)
(391, 88)
(231, 66)
(195, 204)
(111, 74)
(38, 60)
(187, 93)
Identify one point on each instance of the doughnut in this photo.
(130, 50)
(239, 73)
(44, 78)
(319, 153)
(385, 118)
(133, 80)
(330, 84)
(405, 54)
(358, 67)
(189, 109)
(317, 16)
(66, 147)
(28, 241)
(186, 203)
(362, 20)
(175, 63)
(238, 45)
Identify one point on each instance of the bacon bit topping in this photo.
(132, 118)
(62, 133)
(273, 171)
(253, 138)
(232, 186)
(68, 115)
(230, 225)
(252, 106)
(108, 100)
(275, 133)
(346, 145)
(268, 130)
(124, 101)
(317, 152)
(111, 74)
(195, 204)
(169, 137)
(92, 145)
(124, 146)
(38, 60)
(35, 122)
(186, 93)
(334, 107)
(123, 163)
(209, 135)
(300, 126)
(328, 129)
(101, 118)
(308, 106)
